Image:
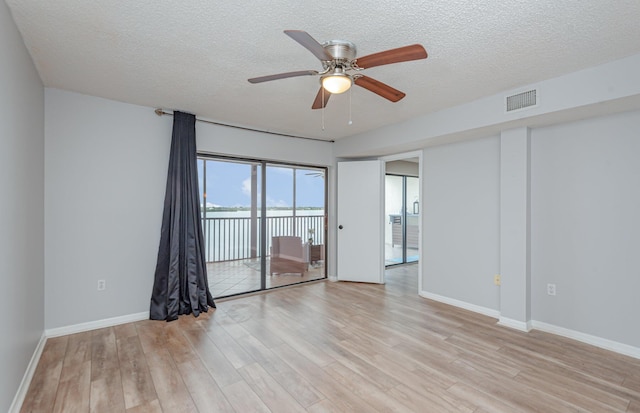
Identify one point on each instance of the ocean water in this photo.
(270, 213)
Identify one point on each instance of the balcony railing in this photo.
(229, 239)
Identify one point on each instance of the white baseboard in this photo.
(18, 399)
(515, 324)
(461, 304)
(16, 405)
(527, 326)
(94, 325)
(604, 343)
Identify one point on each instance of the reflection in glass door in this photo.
(402, 211)
(255, 239)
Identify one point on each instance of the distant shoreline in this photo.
(245, 212)
(247, 208)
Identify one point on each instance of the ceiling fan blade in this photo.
(379, 88)
(282, 76)
(319, 103)
(310, 43)
(401, 54)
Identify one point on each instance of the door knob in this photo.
(340, 227)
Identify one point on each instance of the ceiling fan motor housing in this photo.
(340, 49)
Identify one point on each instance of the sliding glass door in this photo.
(402, 211)
(258, 239)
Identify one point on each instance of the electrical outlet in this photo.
(102, 285)
(496, 279)
(551, 289)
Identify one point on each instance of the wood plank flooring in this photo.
(330, 347)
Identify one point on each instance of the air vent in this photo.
(521, 100)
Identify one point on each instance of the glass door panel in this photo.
(231, 217)
(310, 214)
(394, 207)
(295, 230)
(412, 193)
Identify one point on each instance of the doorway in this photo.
(408, 164)
(402, 212)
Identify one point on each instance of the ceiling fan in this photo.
(341, 68)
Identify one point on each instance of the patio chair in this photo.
(288, 256)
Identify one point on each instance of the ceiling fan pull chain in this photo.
(323, 105)
(350, 122)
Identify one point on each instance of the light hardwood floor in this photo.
(241, 276)
(330, 347)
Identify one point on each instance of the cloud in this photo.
(273, 203)
(246, 187)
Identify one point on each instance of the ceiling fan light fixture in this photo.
(337, 82)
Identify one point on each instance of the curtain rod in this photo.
(161, 112)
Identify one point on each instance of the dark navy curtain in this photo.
(181, 285)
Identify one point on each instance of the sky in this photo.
(229, 185)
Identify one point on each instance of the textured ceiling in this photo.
(196, 56)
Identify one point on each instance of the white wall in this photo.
(584, 203)
(223, 140)
(586, 226)
(607, 88)
(21, 208)
(106, 166)
(461, 246)
(515, 228)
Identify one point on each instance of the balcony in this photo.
(232, 251)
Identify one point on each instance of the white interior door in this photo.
(360, 221)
